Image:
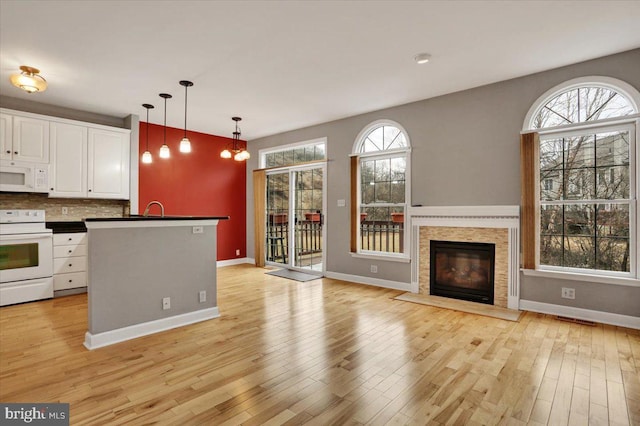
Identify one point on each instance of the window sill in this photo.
(632, 282)
(401, 259)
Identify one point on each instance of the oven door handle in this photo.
(14, 237)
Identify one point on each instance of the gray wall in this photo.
(132, 269)
(465, 152)
(133, 122)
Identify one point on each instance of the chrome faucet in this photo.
(146, 211)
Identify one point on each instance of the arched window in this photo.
(382, 137)
(381, 157)
(581, 100)
(586, 189)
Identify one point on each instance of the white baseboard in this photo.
(580, 313)
(98, 340)
(377, 282)
(230, 262)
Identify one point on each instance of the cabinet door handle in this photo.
(8, 151)
(52, 189)
(70, 281)
(70, 239)
(70, 251)
(70, 264)
(15, 152)
(89, 190)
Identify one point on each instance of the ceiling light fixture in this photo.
(238, 154)
(146, 155)
(185, 143)
(422, 58)
(29, 80)
(164, 149)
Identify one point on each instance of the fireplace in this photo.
(498, 225)
(462, 270)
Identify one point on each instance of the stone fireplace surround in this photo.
(499, 225)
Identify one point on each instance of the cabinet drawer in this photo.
(69, 239)
(72, 280)
(69, 264)
(70, 251)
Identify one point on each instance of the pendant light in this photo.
(146, 155)
(29, 80)
(185, 143)
(238, 154)
(164, 149)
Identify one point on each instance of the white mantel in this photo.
(470, 217)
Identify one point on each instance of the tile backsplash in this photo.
(77, 208)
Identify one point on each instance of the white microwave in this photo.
(17, 176)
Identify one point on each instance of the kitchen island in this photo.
(149, 274)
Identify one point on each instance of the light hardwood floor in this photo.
(323, 352)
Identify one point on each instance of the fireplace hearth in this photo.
(462, 270)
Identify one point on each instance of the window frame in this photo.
(610, 83)
(262, 153)
(632, 277)
(405, 152)
(631, 126)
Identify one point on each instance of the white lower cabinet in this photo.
(69, 261)
(70, 280)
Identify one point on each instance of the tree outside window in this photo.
(585, 182)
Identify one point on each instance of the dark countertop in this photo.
(146, 218)
(66, 227)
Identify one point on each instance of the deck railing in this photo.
(386, 236)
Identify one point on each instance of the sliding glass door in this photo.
(309, 219)
(295, 218)
(277, 238)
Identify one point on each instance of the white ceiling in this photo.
(286, 65)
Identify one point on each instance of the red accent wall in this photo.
(196, 184)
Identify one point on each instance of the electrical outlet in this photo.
(197, 230)
(342, 203)
(237, 252)
(374, 269)
(568, 293)
(65, 211)
(166, 303)
(203, 296)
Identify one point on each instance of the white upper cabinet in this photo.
(6, 132)
(24, 139)
(108, 164)
(30, 140)
(85, 160)
(68, 177)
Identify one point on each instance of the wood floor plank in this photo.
(323, 352)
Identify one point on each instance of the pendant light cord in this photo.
(147, 129)
(185, 110)
(165, 121)
(236, 138)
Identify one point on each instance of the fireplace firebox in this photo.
(462, 270)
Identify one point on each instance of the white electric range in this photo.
(26, 257)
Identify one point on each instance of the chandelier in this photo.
(238, 153)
